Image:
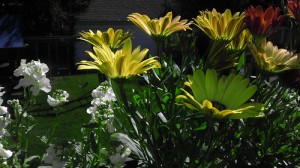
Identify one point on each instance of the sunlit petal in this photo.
(228, 99)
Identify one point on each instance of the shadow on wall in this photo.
(10, 32)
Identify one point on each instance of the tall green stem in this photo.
(216, 48)
(209, 133)
(19, 116)
(119, 90)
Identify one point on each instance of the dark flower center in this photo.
(219, 105)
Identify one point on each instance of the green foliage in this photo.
(162, 134)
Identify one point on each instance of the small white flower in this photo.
(22, 69)
(119, 159)
(52, 157)
(42, 84)
(96, 93)
(102, 105)
(34, 74)
(58, 98)
(110, 126)
(3, 124)
(15, 104)
(65, 96)
(25, 82)
(3, 110)
(104, 93)
(52, 102)
(91, 110)
(40, 69)
(1, 94)
(5, 153)
(97, 102)
(4, 133)
(109, 95)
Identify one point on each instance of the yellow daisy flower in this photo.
(160, 28)
(220, 98)
(268, 57)
(123, 63)
(111, 38)
(223, 26)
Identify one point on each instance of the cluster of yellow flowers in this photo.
(215, 97)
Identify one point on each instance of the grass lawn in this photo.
(70, 118)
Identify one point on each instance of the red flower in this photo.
(293, 8)
(262, 23)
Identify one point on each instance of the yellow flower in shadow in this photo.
(268, 57)
(220, 98)
(123, 63)
(223, 26)
(111, 38)
(160, 28)
(293, 8)
(224, 55)
(240, 43)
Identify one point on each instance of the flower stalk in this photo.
(118, 86)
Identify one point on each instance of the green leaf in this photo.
(133, 145)
(283, 148)
(31, 158)
(162, 117)
(202, 127)
(242, 61)
(30, 128)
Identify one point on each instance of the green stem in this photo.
(160, 57)
(26, 144)
(209, 132)
(118, 87)
(19, 116)
(257, 40)
(53, 130)
(291, 36)
(157, 49)
(216, 48)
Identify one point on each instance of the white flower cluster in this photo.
(102, 106)
(58, 98)
(120, 157)
(3, 110)
(16, 106)
(4, 117)
(34, 74)
(104, 92)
